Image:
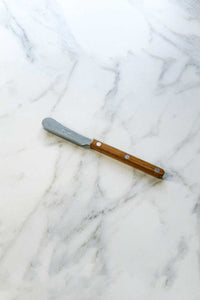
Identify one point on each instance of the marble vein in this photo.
(13, 25)
(63, 92)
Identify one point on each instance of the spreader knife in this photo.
(58, 129)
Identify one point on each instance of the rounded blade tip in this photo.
(46, 121)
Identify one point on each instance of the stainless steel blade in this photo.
(58, 129)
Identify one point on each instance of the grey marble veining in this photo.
(75, 225)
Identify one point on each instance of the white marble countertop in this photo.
(74, 224)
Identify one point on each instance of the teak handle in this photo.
(127, 159)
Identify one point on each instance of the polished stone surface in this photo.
(74, 224)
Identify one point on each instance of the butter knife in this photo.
(58, 129)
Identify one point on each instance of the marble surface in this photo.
(75, 225)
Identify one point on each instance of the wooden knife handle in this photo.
(127, 159)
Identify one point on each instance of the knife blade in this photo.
(62, 131)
